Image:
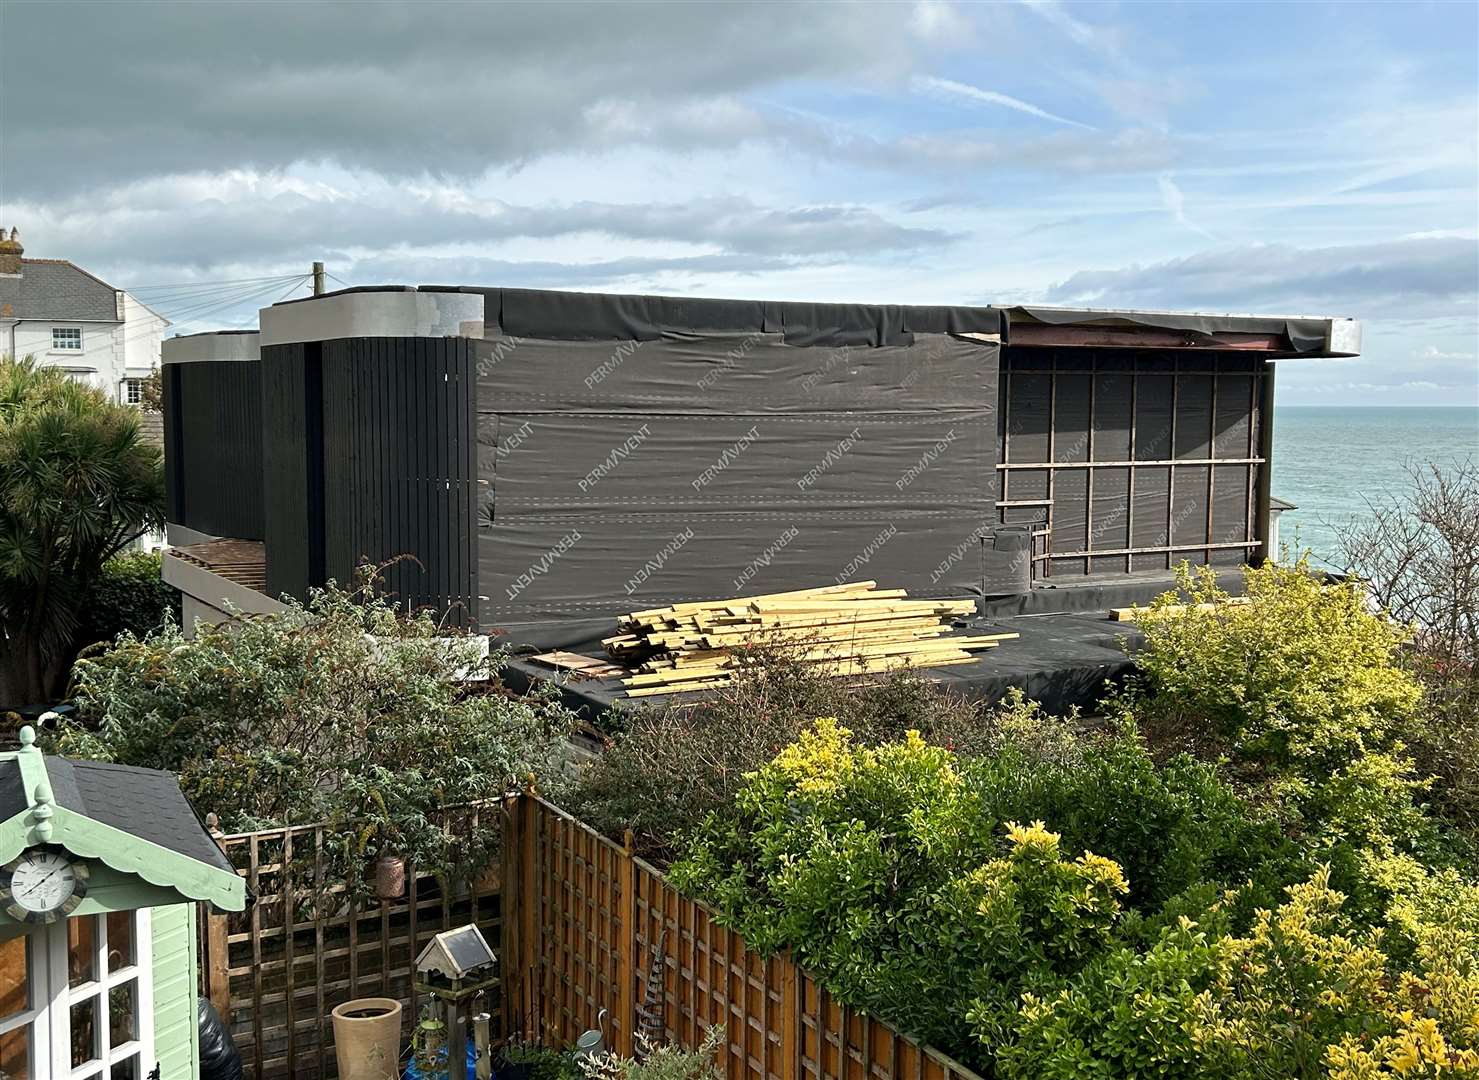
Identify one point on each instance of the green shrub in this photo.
(1305, 993)
(335, 710)
(665, 769)
(882, 868)
(129, 595)
(1301, 679)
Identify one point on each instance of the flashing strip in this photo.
(373, 314)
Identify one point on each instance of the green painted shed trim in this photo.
(45, 821)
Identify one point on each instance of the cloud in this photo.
(952, 90)
(1175, 203)
(243, 222)
(1432, 352)
(1398, 279)
(410, 87)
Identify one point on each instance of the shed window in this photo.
(66, 338)
(82, 1007)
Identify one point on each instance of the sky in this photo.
(1291, 158)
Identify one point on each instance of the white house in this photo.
(65, 317)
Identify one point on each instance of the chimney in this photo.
(10, 253)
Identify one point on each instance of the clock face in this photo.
(44, 883)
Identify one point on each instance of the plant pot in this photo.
(367, 1038)
(390, 877)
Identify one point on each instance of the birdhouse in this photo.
(456, 954)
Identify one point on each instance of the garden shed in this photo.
(101, 870)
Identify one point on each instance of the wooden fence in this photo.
(580, 917)
(305, 944)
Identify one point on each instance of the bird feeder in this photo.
(456, 968)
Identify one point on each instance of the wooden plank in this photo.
(1134, 614)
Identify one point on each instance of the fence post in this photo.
(791, 1049)
(217, 959)
(531, 957)
(625, 974)
(510, 958)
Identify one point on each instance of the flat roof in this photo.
(436, 310)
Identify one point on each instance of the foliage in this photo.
(1300, 679)
(884, 870)
(542, 1062)
(666, 768)
(78, 483)
(129, 595)
(881, 867)
(660, 1062)
(1304, 993)
(336, 710)
(1417, 555)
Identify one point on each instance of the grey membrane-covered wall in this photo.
(624, 474)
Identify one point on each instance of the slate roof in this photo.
(134, 820)
(57, 289)
(147, 803)
(12, 790)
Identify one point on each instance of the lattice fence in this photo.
(305, 945)
(581, 915)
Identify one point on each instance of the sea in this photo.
(1329, 459)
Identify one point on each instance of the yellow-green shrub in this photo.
(1300, 677)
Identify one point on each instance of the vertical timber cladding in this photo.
(1130, 460)
(371, 460)
(624, 474)
(286, 459)
(213, 446)
(398, 467)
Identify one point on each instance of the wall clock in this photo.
(42, 885)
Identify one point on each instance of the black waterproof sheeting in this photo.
(651, 472)
(538, 313)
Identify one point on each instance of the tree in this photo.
(1419, 557)
(78, 483)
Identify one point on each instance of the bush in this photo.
(336, 710)
(884, 870)
(663, 770)
(1305, 993)
(129, 595)
(1301, 679)
(882, 867)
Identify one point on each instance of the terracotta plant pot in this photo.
(390, 877)
(367, 1038)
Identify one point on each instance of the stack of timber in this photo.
(842, 629)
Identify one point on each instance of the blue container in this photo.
(440, 1072)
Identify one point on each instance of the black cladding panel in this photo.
(213, 447)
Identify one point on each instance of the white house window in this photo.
(66, 338)
(133, 391)
(76, 1000)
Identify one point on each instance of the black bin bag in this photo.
(219, 1058)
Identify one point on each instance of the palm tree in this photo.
(78, 484)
